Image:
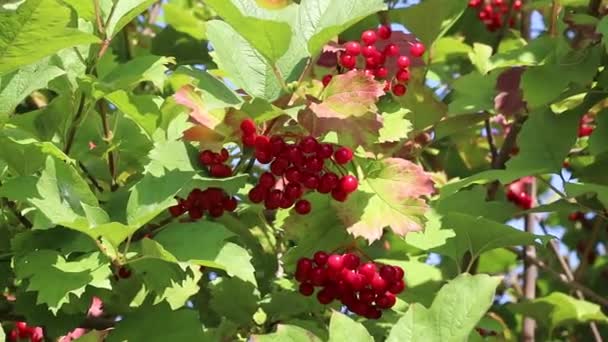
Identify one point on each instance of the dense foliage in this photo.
(313, 170)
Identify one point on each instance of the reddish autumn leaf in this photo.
(390, 197)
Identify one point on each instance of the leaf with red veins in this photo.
(353, 132)
(392, 195)
(187, 97)
(213, 127)
(348, 95)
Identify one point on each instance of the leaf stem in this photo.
(279, 77)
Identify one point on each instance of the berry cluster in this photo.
(365, 289)
(517, 192)
(296, 167)
(375, 55)
(214, 162)
(213, 200)
(585, 126)
(493, 13)
(22, 332)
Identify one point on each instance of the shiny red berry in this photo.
(399, 89)
(403, 62)
(384, 32)
(369, 37)
(348, 183)
(417, 49)
(306, 289)
(326, 79)
(248, 127)
(302, 207)
(343, 155)
(352, 48)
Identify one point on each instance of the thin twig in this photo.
(562, 278)
(490, 138)
(570, 277)
(555, 8)
(107, 135)
(565, 197)
(530, 270)
(90, 177)
(72, 130)
(13, 208)
(598, 223)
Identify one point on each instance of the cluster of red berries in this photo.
(365, 289)
(517, 192)
(375, 55)
(24, 332)
(493, 13)
(585, 126)
(213, 200)
(214, 162)
(296, 167)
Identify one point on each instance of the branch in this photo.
(570, 277)
(13, 208)
(72, 130)
(555, 8)
(107, 135)
(594, 7)
(90, 177)
(562, 278)
(493, 151)
(530, 270)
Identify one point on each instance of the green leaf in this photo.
(433, 235)
(476, 234)
(248, 69)
(214, 93)
(473, 93)
(390, 196)
(459, 305)
(321, 230)
(123, 12)
(321, 20)
(37, 29)
(162, 324)
(429, 28)
(598, 141)
(146, 68)
(285, 333)
(143, 109)
(559, 309)
(423, 280)
(395, 126)
(343, 328)
(54, 278)
(152, 195)
(184, 20)
(578, 189)
(204, 243)
(235, 299)
(473, 202)
(17, 85)
(270, 38)
(547, 152)
(2, 336)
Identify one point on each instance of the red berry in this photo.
(349, 183)
(295, 156)
(373, 313)
(276, 145)
(262, 142)
(381, 72)
(206, 158)
(195, 213)
(286, 202)
(224, 155)
(325, 296)
(293, 191)
(324, 151)
(391, 50)
(292, 174)
(403, 62)
(403, 75)
(13, 336)
(220, 171)
(314, 164)
(355, 280)
(229, 204)
(311, 182)
(318, 276)
(369, 37)
(397, 287)
(124, 272)
(584, 131)
(384, 32)
(267, 180)
(339, 195)
(352, 48)
(343, 155)
(320, 258)
(379, 284)
(257, 194)
(176, 210)
(335, 262)
(348, 61)
(517, 5)
(22, 329)
(369, 51)
(248, 127)
(216, 211)
(303, 207)
(398, 273)
(351, 261)
(474, 3)
(304, 266)
(399, 89)
(328, 181)
(308, 144)
(279, 166)
(386, 301)
(264, 157)
(306, 289)
(249, 139)
(368, 270)
(326, 79)
(273, 199)
(576, 216)
(417, 49)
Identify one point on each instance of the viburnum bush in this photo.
(312, 170)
